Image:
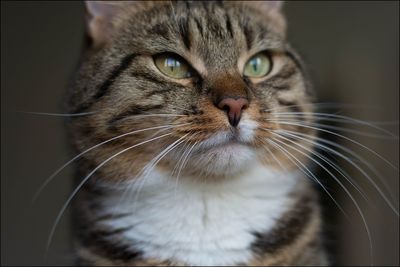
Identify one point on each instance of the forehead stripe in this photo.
(103, 88)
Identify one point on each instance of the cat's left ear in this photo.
(102, 18)
(99, 16)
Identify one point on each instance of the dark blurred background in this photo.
(352, 49)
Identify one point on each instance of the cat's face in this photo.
(194, 88)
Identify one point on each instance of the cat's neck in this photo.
(200, 223)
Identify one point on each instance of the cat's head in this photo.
(189, 87)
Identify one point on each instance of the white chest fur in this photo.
(197, 223)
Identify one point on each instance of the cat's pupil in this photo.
(172, 64)
(255, 63)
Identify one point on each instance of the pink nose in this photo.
(233, 108)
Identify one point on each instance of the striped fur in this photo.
(122, 90)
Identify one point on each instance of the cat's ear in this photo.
(273, 9)
(267, 6)
(102, 18)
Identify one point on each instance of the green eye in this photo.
(258, 66)
(172, 66)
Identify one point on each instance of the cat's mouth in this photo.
(236, 138)
(224, 153)
(224, 143)
(229, 146)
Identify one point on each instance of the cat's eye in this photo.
(172, 66)
(258, 66)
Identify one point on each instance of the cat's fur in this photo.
(204, 202)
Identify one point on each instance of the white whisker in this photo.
(337, 118)
(346, 138)
(186, 144)
(84, 180)
(183, 164)
(329, 162)
(327, 105)
(344, 188)
(58, 114)
(390, 204)
(273, 156)
(52, 176)
(146, 170)
(306, 171)
(389, 135)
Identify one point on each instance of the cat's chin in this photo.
(224, 160)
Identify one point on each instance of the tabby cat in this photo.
(182, 164)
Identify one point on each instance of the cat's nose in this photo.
(233, 108)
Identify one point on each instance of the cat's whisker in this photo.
(305, 170)
(327, 161)
(141, 116)
(290, 155)
(126, 192)
(337, 145)
(183, 165)
(388, 134)
(341, 155)
(145, 172)
(326, 105)
(359, 123)
(341, 185)
(81, 114)
(338, 128)
(58, 114)
(181, 108)
(52, 176)
(84, 180)
(285, 169)
(148, 169)
(335, 117)
(155, 115)
(185, 147)
(178, 163)
(344, 137)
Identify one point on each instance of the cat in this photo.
(182, 160)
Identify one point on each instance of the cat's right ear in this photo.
(273, 9)
(102, 18)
